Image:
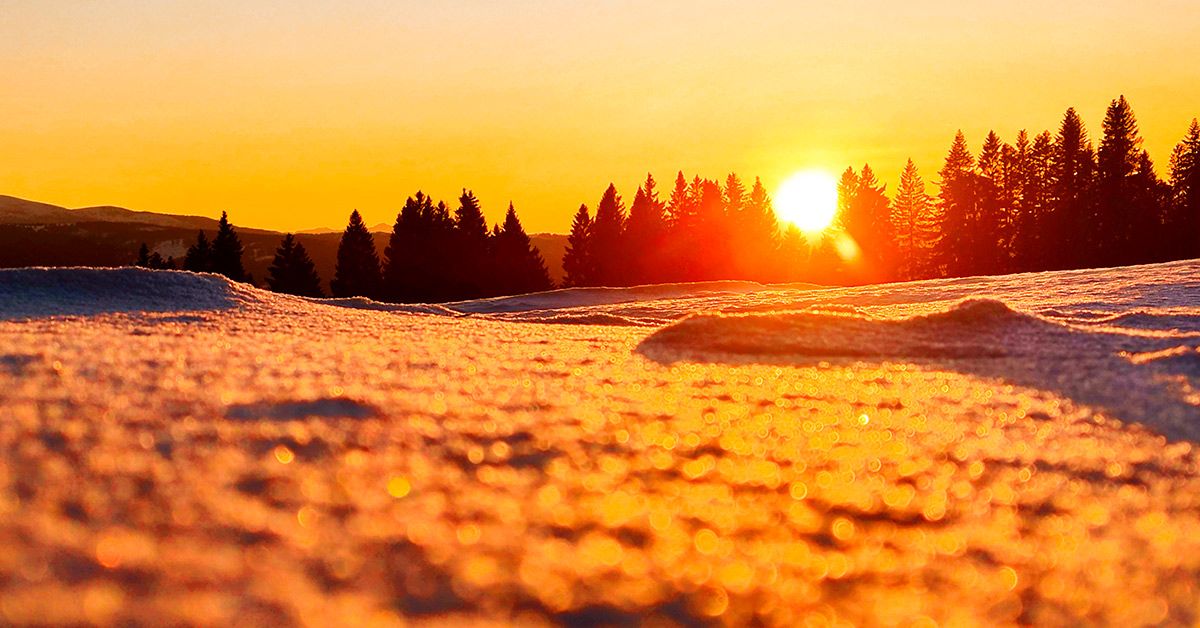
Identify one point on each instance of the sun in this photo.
(808, 199)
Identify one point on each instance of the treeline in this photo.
(432, 255)
(1050, 201)
(703, 230)
(1041, 203)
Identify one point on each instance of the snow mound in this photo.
(972, 328)
(1148, 378)
(60, 292)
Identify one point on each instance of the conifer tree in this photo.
(1183, 213)
(864, 215)
(960, 241)
(990, 231)
(678, 205)
(712, 252)
(646, 233)
(357, 272)
(1034, 223)
(1072, 218)
(913, 224)
(419, 257)
(227, 252)
(680, 212)
(520, 267)
(199, 256)
(1118, 223)
(143, 256)
(608, 240)
(292, 271)
(578, 264)
(758, 234)
(469, 271)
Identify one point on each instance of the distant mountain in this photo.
(15, 210)
(40, 234)
(383, 227)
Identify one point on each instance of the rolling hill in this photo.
(41, 234)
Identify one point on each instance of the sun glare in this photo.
(807, 199)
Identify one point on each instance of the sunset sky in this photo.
(290, 114)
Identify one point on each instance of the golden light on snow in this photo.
(769, 493)
(808, 199)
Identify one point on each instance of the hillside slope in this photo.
(40, 234)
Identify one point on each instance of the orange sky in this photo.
(289, 114)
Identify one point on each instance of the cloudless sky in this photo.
(289, 114)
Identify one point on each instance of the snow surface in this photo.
(175, 448)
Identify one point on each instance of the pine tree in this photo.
(469, 271)
(678, 205)
(608, 240)
(645, 234)
(863, 213)
(1183, 217)
(913, 224)
(227, 251)
(357, 272)
(420, 255)
(577, 261)
(1032, 241)
(680, 212)
(960, 221)
(1118, 224)
(1071, 221)
(520, 267)
(143, 256)
(990, 231)
(199, 256)
(292, 271)
(1150, 198)
(712, 252)
(758, 234)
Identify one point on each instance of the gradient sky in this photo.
(290, 114)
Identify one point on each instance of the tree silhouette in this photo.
(227, 252)
(577, 261)
(199, 257)
(646, 233)
(608, 240)
(1073, 186)
(1182, 222)
(520, 267)
(758, 234)
(293, 271)
(991, 231)
(681, 219)
(959, 245)
(863, 211)
(913, 223)
(357, 272)
(470, 270)
(155, 261)
(1116, 222)
(1036, 205)
(710, 234)
(420, 256)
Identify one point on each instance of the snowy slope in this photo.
(175, 448)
